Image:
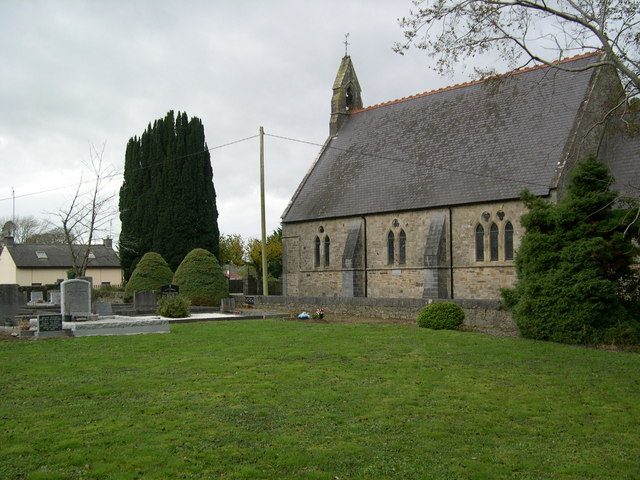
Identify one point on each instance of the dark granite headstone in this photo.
(170, 289)
(8, 303)
(50, 322)
(145, 301)
(228, 305)
(103, 308)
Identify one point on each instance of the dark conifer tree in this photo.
(167, 199)
(573, 264)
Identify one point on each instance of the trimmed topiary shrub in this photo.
(441, 316)
(150, 274)
(201, 279)
(173, 306)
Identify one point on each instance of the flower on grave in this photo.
(319, 313)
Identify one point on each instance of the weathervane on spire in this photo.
(346, 44)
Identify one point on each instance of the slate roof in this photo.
(621, 152)
(477, 142)
(58, 256)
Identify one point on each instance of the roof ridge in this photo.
(474, 82)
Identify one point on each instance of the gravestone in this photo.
(54, 297)
(8, 304)
(49, 325)
(145, 301)
(49, 322)
(103, 308)
(36, 297)
(228, 305)
(170, 289)
(75, 298)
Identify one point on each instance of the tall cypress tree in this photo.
(167, 199)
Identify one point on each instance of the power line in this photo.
(418, 164)
(409, 162)
(121, 172)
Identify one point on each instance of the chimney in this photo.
(108, 242)
(8, 240)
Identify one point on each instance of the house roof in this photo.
(58, 256)
(476, 142)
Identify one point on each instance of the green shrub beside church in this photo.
(441, 316)
(574, 265)
(150, 274)
(201, 279)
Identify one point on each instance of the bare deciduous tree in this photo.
(22, 228)
(523, 31)
(89, 212)
(31, 230)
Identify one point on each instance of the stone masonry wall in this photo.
(483, 279)
(481, 314)
(471, 278)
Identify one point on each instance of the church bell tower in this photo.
(346, 95)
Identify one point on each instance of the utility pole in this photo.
(13, 218)
(265, 283)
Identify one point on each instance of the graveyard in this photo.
(70, 312)
(276, 399)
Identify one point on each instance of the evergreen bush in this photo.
(173, 306)
(441, 316)
(150, 274)
(571, 264)
(201, 279)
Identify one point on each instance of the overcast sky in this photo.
(81, 73)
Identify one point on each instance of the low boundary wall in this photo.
(479, 314)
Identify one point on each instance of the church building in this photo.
(419, 197)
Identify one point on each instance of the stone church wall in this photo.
(424, 267)
(482, 315)
(484, 279)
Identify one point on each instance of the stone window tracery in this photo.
(391, 254)
(479, 243)
(327, 246)
(316, 252)
(493, 242)
(402, 247)
(508, 241)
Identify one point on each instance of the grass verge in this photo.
(270, 400)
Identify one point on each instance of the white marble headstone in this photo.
(36, 297)
(54, 297)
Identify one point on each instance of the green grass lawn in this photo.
(289, 400)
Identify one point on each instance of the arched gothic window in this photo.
(402, 247)
(316, 252)
(391, 253)
(479, 243)
(508, 241)
(327, 246)
(493, 242)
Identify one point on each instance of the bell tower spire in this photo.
(346, 94)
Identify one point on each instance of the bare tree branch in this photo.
(89, 211)
(543, 31)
